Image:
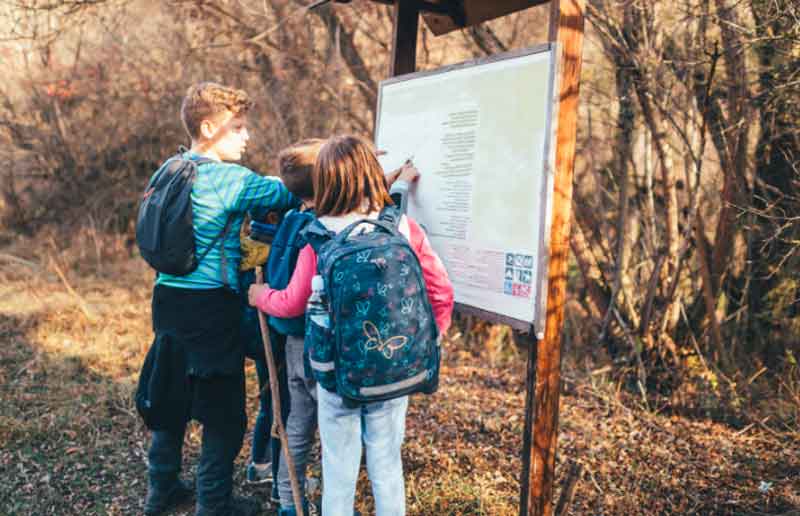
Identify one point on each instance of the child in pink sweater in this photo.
(349, 185)
(291, 302)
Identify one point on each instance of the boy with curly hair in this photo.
(198, 314)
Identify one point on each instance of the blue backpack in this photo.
(278, 270)
(382, 341)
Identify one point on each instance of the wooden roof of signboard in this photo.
(443, 16)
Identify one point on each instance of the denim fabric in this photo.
(203, 321)
(381, 427)
(220, 445)
(219, 448)
(164, 458)
(265, 448)
(302, 422)
(262, 442)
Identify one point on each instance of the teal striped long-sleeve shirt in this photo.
(221, 189)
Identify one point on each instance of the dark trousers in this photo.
(265, 448)
(220, 445)
(206, 322)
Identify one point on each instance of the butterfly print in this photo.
(362, 308)
(363, 256)
(375, 341)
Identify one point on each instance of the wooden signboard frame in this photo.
(543, 377)
(536, 325)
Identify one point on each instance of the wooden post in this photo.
(528, 339)
(566, 28)
(404, 39)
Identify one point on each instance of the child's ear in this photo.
(207, 129)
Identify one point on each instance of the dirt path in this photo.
(70, 442)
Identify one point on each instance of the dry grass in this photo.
(71, 443)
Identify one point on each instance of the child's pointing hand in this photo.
(408, 172)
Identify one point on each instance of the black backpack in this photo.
(164, 226)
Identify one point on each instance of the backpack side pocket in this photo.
(319, 346)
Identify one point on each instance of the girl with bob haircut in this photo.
(349, 185)
(351, 179)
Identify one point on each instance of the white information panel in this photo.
(480, 135)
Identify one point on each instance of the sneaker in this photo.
(258, 473)
(310, 509)
(312, 487)
(160, 502)
(287, 511)
(235, 507)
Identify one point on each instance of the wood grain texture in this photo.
(566, 28)
(404, 38)
(474, 12)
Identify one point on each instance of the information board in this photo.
(480, 133)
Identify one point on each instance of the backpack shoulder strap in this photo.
(170, 166)
(391, 215)
(307, 219)
(221, 239)
(199, 160)
(316, 234)
(294, 223)
(196, 162)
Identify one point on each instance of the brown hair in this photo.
(296, 165)
(208, 100)
(348, 177)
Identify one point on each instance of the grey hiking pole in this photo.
(277, 421)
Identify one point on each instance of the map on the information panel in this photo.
(480, 134)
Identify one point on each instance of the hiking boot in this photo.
(160, 502)
(309, 509)
(258, 473)
(235, 507)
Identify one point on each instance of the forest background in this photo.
(683, 285)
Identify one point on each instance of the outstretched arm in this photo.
(437, 282)
(291, 301)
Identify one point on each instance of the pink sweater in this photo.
(291, 301)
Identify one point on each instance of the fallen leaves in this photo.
(70, 442)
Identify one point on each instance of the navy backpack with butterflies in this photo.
(382, 340)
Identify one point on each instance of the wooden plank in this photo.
(404, 38)
(566, 28)
(474, 12)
